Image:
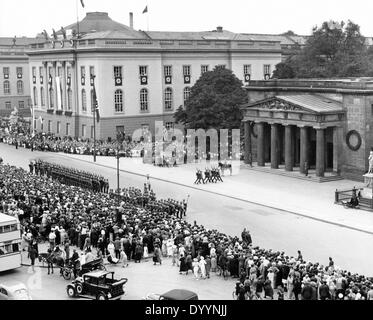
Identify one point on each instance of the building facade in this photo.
(14, 76)
(140, 77)
(325, 125)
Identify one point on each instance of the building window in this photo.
(144, 100)
(247, 69)
(19, 72)
(50, 71)
(168, 99)
(118, 101)
(49, 126)
(267, 69)
(6, 72)
(220, 66)
(6, 87)
(34, 72)
(143, 70)
(167, 71)
(51, 98)
(8, 105)
(118, 72)
(69, 99)
(186, 94)
(42, 98)
(35, 96)
(91, 71)
(68, 71)
(67, 129)
(170, 125)
(84, 100)
(21, 104)
(186, 71)
(82, 72)
(19, 87)
(58, 127)
(59, 71)
(84, 130)
(40, 72)
(92, 101)
(204, 69)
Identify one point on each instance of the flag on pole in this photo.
(145, 10)
(95, 104)
(82, 2)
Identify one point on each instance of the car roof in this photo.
(179, 294)
(12, 285)
(98, 273)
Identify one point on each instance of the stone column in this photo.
(46, 85)
(260, 147)
(288, 148)
(320, 152)
(274, 146)
(247, 143)
(54, 85)
(64, 85)
(303, 148)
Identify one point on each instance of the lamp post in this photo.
(120, 138)
(94, 116)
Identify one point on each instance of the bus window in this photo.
(2, 251)
(15, 247)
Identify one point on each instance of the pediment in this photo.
(277, 104)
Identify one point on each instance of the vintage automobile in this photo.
(176, 294)
(14, 291)
(99, 285)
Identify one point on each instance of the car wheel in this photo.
(71, 291)
(101, 296)
(79, 288)
(66, 275)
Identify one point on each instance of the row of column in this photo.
(289, 141)
(63, 76)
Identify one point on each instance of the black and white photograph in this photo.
(186, 150)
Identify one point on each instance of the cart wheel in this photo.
(71, 291)
(66, 274)
(101, 296)
(79, 288)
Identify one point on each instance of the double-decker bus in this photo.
(10, 243)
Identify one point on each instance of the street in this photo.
(270, 228)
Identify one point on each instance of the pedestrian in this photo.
(195, 268)
(208, 266)
(50, 261)
(32, 256)
(123, 259)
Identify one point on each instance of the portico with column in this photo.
(302, 132)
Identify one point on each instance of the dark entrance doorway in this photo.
(329, 157)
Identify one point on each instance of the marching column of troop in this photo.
(70, 176)
(211, 175)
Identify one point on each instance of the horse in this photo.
(225, 166)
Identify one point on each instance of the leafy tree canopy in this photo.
(333, 50)
(214, 102)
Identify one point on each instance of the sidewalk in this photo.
(301, 197)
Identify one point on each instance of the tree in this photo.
(283, 71)
(333, 50)
(214, 102)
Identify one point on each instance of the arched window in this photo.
(35, 96)
(144, 102)
(118, 100)
(84, 100)
(6, 87)
(186, 94)
(42, 98)
(19, 87)
(51, 98)
(69, 99)
(168, 99)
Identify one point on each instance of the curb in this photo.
(227, 196)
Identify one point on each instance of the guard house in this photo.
(324, 125)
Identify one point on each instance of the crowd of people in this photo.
(52, 143)
(141, 226)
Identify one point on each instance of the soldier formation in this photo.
(70, 176)
(211, 175)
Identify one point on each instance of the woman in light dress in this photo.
(196, 268)
(202, 267)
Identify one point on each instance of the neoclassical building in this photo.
(325, 124)
(140, 77)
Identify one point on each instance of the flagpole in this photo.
(77, 17)
(147, 16)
